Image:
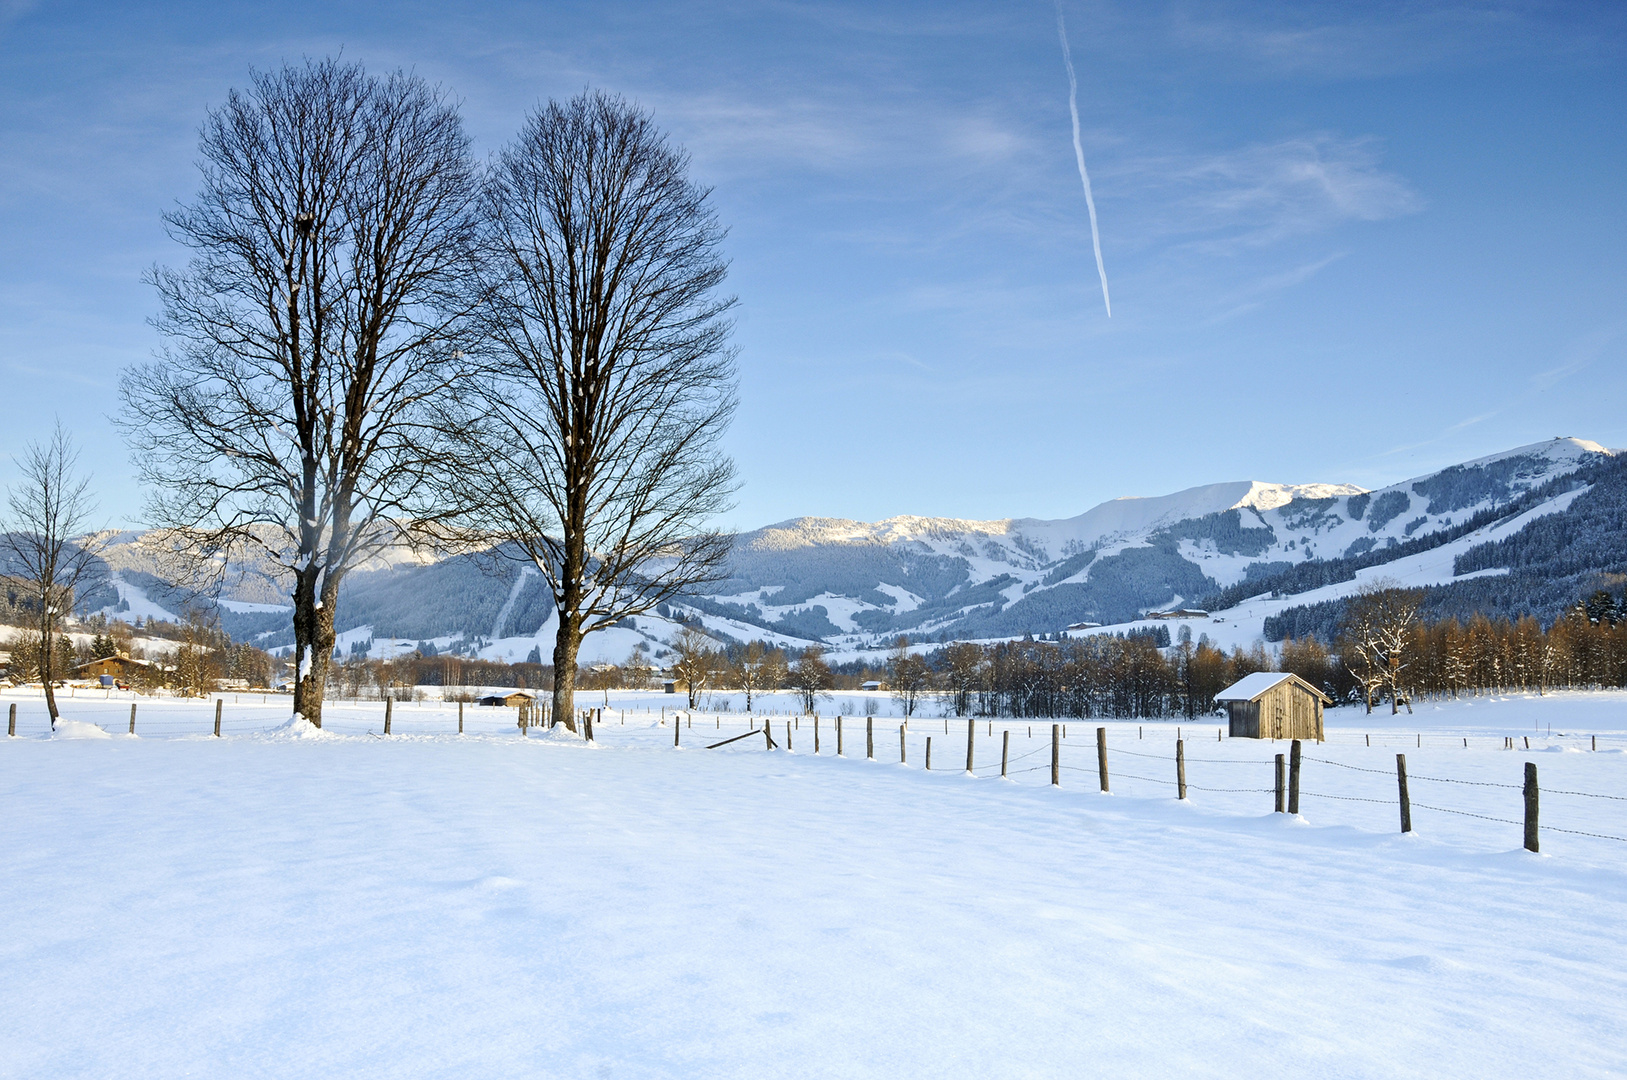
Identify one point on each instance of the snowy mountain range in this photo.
(1259, 555)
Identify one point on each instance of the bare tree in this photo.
(1377, 635)
(604, 678)
(636, 669)
(50, 556)
(610, 375)
(910, 676)
(964, 667)
(758, 667)
(288, 417)
(698, 663)
(810, 676)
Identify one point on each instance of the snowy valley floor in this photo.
(434, 906)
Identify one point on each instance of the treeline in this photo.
(1108, 676)
(1384, 650)
(360, 677)
(1586, 649)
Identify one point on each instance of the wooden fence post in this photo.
(768, 736)
(677, 729)
(1101, 755)
(1531, 806)
(1293, 778)
(787, 735)
(1180, 769)
(1056, 755)
(902, 755)
(869, 739)
(971, 732)
(838, 736)
(1401, 786)
(460, 718)
(929, 753)
(219, 703)
(388, 702)
(1005, 751)
(588, 730)
(132, 718)
(11, 724)
(816, 734)
(1280, 771)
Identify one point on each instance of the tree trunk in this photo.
(48, 671)
(313, 642)
(566, 644)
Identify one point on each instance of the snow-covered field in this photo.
(436, 906)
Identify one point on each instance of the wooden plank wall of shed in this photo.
(1286, 711)
(1245, 719)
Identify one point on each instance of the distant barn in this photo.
(512, 699)
(1274, 705)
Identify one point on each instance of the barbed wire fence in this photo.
(262, 714)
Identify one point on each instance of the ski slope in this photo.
(434, 906)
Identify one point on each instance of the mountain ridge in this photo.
(854, 586)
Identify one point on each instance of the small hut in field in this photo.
(511, 699)
(1274, 705)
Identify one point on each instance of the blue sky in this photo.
(1346, 242)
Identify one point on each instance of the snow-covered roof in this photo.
(1252, 686)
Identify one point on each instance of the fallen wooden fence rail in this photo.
(737, 738)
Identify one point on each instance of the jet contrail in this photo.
(1079, 153)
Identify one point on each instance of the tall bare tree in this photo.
(965, 665)
(910, 676)
(610, 375)
(697, 664)
(810, 677)
(757, 667)
(47, 549)
(288, 416)
(1376, 637)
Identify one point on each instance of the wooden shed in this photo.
(1274, 705)
(513, 699)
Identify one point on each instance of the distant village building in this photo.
(512, 699)
(871, 685)
(113, 670)
(1274, 705)
(669, 686)
(1083, 625)
(1177, 613)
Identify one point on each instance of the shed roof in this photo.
(1250, 687)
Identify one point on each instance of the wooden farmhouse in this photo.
(118, 667)
(1274, 705)
(513, 698)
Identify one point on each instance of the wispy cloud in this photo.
(1590, 348)
(1439, 437)
(1319, 41)
(1258, 292)
(1266, 192)
(12, 10)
